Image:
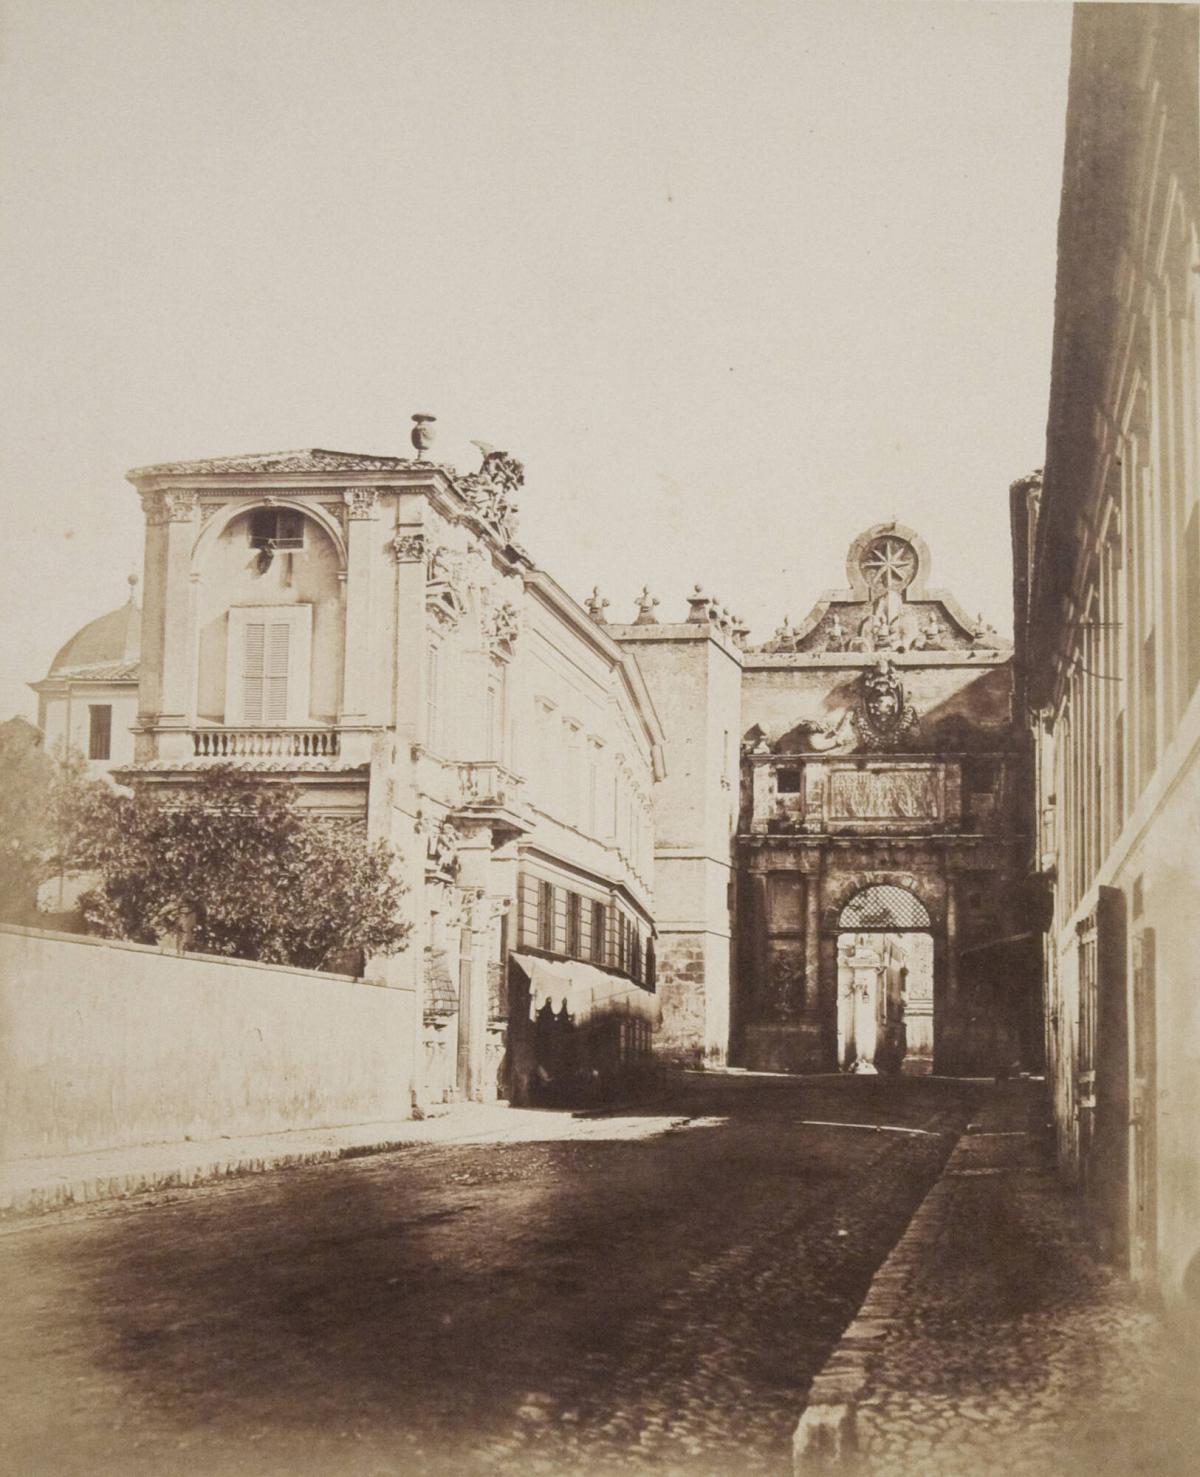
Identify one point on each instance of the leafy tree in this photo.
(44, 801)
(233, 866)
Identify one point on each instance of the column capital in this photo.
(172, 505)
(361, 502)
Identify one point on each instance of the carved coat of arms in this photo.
(884, 720)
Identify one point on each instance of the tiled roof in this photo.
(101, 671)
(313, 459)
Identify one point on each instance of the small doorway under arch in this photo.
(885, 971)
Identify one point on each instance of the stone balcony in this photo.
(489, 791)
(282, 747)
(266, 743)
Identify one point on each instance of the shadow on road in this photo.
(482, 1307)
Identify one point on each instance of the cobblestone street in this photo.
(992, 1342)
(581, 1304)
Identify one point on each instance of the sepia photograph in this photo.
(600, 738)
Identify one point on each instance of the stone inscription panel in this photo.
(885, 795)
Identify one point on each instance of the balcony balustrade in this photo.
(490, 785)
(266, 743)
(490, 792)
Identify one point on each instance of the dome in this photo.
(115, 638)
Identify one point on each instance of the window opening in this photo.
(99, 731)
(573, 925)
(599, 931)
(276, 529)
(546, 916)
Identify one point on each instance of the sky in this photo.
(735, 280)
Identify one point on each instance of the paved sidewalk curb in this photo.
(19, 1200)
(825, 1435)
(34, 1187)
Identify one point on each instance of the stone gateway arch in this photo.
(881, 775)
(870, 746)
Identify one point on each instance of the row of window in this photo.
(579, 782)
(561, 921)
(1138, 644)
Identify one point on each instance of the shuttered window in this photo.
(546, 916)
(267, 674)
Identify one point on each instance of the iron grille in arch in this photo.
(884, 907)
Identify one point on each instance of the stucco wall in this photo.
(112, 1045)
(57, 709)
(1167, 862)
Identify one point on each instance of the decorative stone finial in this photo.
(596, 605)
(132, 581)
(785, 637)
(700, 606)
(984, 634)
(837, 634)
(740, 631)
(422, 433)
(645, 604)
(932, 636)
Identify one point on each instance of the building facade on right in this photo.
(1107, 594)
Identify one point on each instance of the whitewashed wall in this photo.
(106, 1045)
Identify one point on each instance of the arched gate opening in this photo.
(885, 982)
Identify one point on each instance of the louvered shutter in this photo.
(265, 672)
(268, 662)
(253, 653)
(275, 676)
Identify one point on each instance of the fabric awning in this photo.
(585, 990)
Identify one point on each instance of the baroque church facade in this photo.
(792, 856)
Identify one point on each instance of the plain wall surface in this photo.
(107, 1045)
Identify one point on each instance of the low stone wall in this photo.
(109, 1045)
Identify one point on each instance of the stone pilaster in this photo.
(168, 616)
(362, 507)
(812, 944)
(474, 856)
